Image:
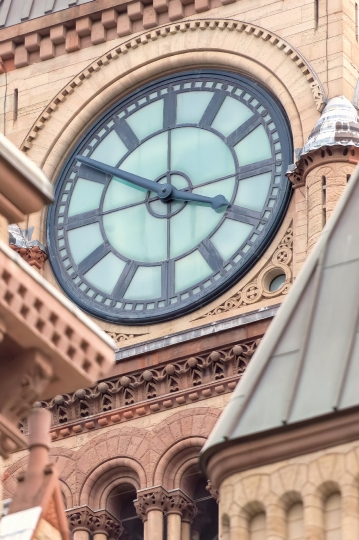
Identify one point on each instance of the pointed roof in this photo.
(338, 124)
(307, 365)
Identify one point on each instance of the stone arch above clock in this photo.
(222, 44)
(167, 50)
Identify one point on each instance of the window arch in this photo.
(295, 524)
(332, 517)
(120, 504)
(257, 527)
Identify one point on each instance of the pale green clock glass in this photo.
(128, 255)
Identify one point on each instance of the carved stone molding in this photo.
(213, 491)
(119, 337)
(168, 31)
(298, 173)
(84, 518)
(34, 256)
(146, 391)
(32, 251)
(179, 503)
(258, 288)
(150, 499)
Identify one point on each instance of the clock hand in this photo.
(160, 189)
(216, 202)
(166, 192)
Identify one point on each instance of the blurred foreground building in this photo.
(234, 126)
(40, 353)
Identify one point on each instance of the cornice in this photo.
(191, 378)
(167, 32)
(320, 157)
(252, 452)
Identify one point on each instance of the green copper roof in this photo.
(307, 364)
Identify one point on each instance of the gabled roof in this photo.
(307, 364)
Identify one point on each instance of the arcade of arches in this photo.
(135, 482)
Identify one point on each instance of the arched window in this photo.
(205, 524)
(332, 517)
(257, 527)
(120, 504)
(295, 526)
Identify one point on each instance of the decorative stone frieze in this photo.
(258, 288)
(323, 156)
(120, 337)
(142, 392)
(84, 518)
(154, 498)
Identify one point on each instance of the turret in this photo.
(323, 168)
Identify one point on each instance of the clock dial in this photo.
(125, 253)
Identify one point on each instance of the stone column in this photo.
(101, 524)
(275, 522)
(313, 517)
(180, 511)
(150, 506)
(350, 506)
(79, 522)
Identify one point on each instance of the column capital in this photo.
(179, 503)
(83, 518)
(213, 491)
(154, 498)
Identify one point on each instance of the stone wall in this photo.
(319, 491)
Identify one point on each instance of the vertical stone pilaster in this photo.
(313, 517)
(350, 511)
(275, 522)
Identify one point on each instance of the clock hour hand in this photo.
(167, 192)
(216, 202)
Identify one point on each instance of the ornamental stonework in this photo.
(142, 392)
(258, 289)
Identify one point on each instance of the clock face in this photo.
(123, 253)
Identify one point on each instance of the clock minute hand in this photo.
(166, 192)
(160, 189)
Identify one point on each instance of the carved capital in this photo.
(150, 499)
(179, 503)
(34, 256)
(213, 491)
(99, 521)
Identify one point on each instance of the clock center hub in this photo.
(164, 207)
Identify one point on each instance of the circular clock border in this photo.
(201, 299)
